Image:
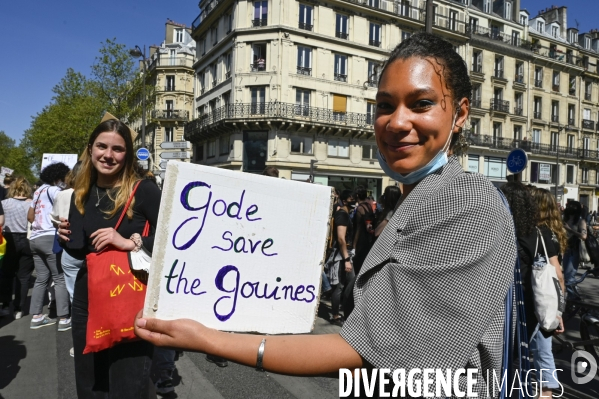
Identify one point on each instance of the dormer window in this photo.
(573, 37)
(540, 26)
(508, 10)
(587, 43)
(487, 6)
(554, 31)
(523, 20)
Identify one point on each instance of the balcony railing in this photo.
(271, 110)
(588, 124)
(371, 83)
(496, 34)
(178, 61)
(206, 8)
(571, 122)
(476, 103)
(477, 68)
(555, 87)
(305, 26)
(519, 79)
(340, 77)
(537, 115)
(587, 96)
(169, 88)
(258, 66)
(173, 114)
(498, 73)
(405, 11)
(555, 118)
(304, 70)
(375, 43)
(588, 154)
(500, 105)
(259, 22)
(518, 111)
(538, 82)
(342, 35)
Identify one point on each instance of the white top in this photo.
(43, 200)
(15, 215)
(62, 205)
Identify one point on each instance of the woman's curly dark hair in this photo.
(523, 207)
(54, 172)
(453, 69)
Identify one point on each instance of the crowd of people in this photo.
(441, 255)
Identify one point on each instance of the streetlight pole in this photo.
(136, 52)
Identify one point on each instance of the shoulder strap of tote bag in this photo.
(127, 206)
(514, 300)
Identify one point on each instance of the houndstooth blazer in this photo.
(431, 292)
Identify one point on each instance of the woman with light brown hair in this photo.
(104, 183)
(18, 260)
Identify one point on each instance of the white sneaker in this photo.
(64, 324)
(18, 315)
(72, 352)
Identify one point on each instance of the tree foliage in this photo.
(14, 157)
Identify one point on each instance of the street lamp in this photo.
(136, 52)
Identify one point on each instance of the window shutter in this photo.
(339, 103)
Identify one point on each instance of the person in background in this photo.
(41, 241)
(389, 201)
(271, 171)
(18, 260)
(363, 228)
(576, 230)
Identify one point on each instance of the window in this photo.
(199, 152)
(475, 126)
(340, 67)
(304, 60)
(570, 141)
(585, 175)
(537, 112)
(170, 107)
(487, 6)
(586, 114)
(587, 43)
(554, 111)
(586, 146)
(338, 148)
(473, 24)
(538, 77)
(258, 57)
(570, 174)
(405, 35)
(555, 80)
(173, 57)
(523, 20)
(260, 13)
(373, 73)
(179, 35)
(228, 66)
(453, 20)
(302, 102)
(224, 145)
(170, 83)
(229, 22)
(369, 151)
(476, 95)
(536, 136)
(341, 26)
(370, 112)
(404, 8)
(542, 172)
(305, 17)
(587, 90)
(499, 67)
(497, 126)
(339, 107)
(258, 105)
(214, 34)
(477, 61)
(168, 134)
(203, 45)
(517, 132)
(211, 149)
(508, 10)
(375, 35)
(554, 141)
(572, 37)
(473, 163)
(554, 31)
(518, 104)
(516, 38)
(495, 168)
(572, 85)
(540, 26)
(571, 114)
(301, 145)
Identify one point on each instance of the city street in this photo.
(36, 364)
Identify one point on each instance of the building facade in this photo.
(292, 84)
(170, 71)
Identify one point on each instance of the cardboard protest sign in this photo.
(68, 159)
(238, 252)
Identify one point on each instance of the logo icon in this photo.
(580, 363)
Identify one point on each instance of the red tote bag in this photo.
(115, 295)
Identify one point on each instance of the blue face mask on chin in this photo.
(434, 164)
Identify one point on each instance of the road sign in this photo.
(560, 190)
(143, 154)
(517, 160)
(175, 155)
(163, 164)
(173, 145)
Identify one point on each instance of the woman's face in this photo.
(415, 113)
(108, 153)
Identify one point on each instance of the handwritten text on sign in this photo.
(238, 252)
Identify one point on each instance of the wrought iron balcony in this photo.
(538, 82)
(587, 155)
(555, 118)
(403, 9)
(169, 88)
(305, 26)
(555, 87)
(500, 105)
(519, 79)
(537, 115)
(375, 43)
(342, 35)
(288, 112)
(587, 96)
(259, 22)
(340, 77)
(518, 111)
(508, 144)
(588, 124)
(170, 114)
(498, 73)
(259, 66)
(304, 70)
(477, 68)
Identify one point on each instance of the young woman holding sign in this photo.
(102, 188)
(432, 289)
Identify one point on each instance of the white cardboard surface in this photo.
(68, 159)
(256, 267)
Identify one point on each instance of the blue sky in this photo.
(44, 38)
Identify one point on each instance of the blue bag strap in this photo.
(514, 300)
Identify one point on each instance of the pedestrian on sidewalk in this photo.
(444, 263)
(103, 186)
(18, 261)
(46, 260)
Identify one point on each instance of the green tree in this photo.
(15, 157)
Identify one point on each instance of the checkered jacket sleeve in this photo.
(431, 292)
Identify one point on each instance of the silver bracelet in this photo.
(260, 355)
